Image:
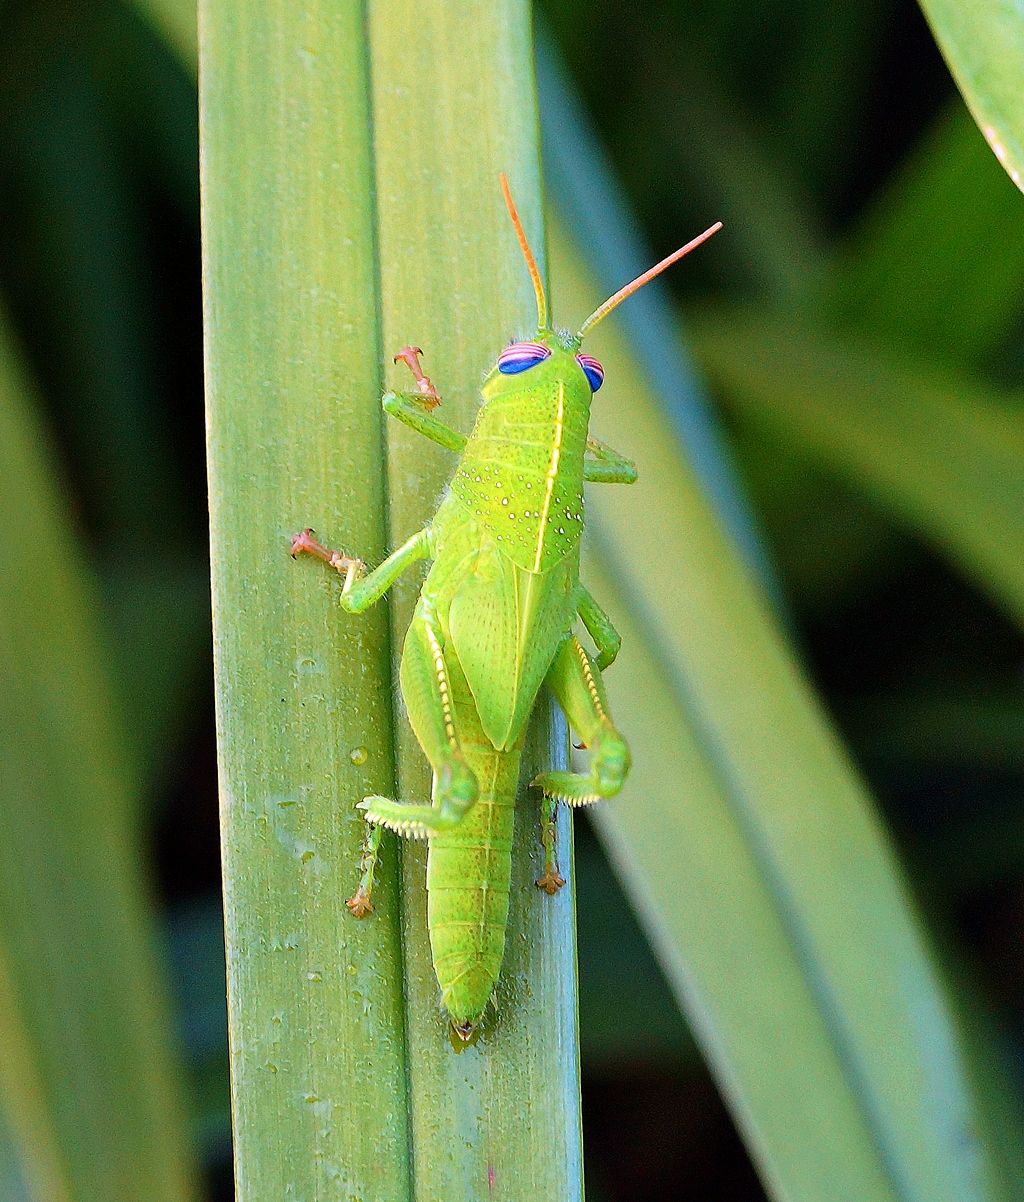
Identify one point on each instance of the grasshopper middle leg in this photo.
(575, 680)
(361, 590)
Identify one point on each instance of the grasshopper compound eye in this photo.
(592, 370)
(521, 356)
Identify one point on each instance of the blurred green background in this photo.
(873, 248)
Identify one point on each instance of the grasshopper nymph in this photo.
(494, 622)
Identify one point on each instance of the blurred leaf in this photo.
(74, 216)
(830, 546)
(983, 42)
(195, 936)
(86, 1074)
(195, 933)
(943, 728)
(94, 138)
(175, 20)
(148, 84)
(949, 288)
(771, 234)
(12, 1181)
(157, 611)
(818, 103)
(977, 852)
(613, 948)
(754, 856)
(584, 191)
(942, 454)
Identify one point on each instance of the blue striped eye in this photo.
(592, 370)
(522, 355)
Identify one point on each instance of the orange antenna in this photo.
(531, 262)
(635, 285)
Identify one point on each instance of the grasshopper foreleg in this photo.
(360, 592)
(575, 680)
(415, 408)
(362, 589)
(426, 687)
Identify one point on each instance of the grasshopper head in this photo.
(557, 352)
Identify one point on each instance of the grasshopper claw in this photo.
(303, 541)
(550, 882)
(429, 397)
(360, 905)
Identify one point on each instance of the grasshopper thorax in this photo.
(521, 476)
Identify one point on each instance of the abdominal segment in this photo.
(468, 877)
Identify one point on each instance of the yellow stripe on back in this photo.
(552, 476)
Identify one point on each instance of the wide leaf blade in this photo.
(754, 853)
(303, 690)
(983, 42)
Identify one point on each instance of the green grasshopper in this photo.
(494, 621)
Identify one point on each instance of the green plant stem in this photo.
(454, 105)
(303, 691)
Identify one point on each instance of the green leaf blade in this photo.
(91, 1097)
(452, 108)
(303, 690)
(983, 42)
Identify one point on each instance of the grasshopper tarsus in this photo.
(429, 397)
(304, 544)
(550, 882)
(360, 905)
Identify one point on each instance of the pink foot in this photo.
(410, 355)
(305, 544)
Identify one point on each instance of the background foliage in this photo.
(858, 326)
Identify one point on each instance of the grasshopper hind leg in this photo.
(575, 680)
(427, 689)
(360, 902)
(551, 880)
